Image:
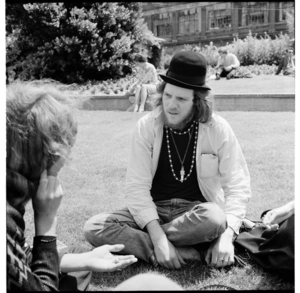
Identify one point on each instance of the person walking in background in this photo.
(227, 64)
(287, 63)
(146, 82)
(41, 130)
(187, 183)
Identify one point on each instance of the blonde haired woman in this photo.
(41, 130)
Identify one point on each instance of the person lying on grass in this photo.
(187, 183)
(41, 130)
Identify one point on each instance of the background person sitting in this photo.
(287, 63)
(146, 83)
(227, 64)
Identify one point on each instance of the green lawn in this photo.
(94, 183)
(258, 84)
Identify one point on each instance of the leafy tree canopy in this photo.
(74, 42)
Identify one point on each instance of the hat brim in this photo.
(176, 82)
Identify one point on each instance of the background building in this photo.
(200, 23)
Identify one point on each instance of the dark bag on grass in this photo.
(272, 250)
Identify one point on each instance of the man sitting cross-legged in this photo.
(187, 181)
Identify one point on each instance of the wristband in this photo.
(46, 238)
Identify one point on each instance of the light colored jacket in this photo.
(222, 171)
(229, 60)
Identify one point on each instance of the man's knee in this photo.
(216, 216)
(93, 230)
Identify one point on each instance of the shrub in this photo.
(211, 54)
(73, 42)
(165, 61)
(263, 50)
(251, 50)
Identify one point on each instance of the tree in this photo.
(290, 21)
(74, 42)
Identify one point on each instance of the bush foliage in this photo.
(74, 42)
(250, 51)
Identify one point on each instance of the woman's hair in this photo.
(203, 102)
(40, 125)
(223, 50)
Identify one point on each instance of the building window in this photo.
(188, 21)
(254, 13)
(164, 25)
(283, 8)
(219, 19)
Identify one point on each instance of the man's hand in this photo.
(221, 252)
(165, 252)
(167, 255)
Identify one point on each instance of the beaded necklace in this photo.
(185, 132)
(182, 171)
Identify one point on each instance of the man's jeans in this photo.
(223, 73)
(184, 222)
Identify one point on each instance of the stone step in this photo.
(223, 102)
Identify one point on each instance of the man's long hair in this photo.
(203, 102)
(40, 125)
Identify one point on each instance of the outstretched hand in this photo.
(101, 259)
(274, 217)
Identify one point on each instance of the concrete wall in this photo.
(244, 102)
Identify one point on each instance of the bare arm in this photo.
(99, 259)
(278, 215)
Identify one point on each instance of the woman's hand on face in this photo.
(48, 196)
(47, 200)
(56, 167)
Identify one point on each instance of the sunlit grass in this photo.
(94, 183)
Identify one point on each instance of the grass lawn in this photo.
(94, 183)
(258, 84)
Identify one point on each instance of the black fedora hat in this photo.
(188, 70)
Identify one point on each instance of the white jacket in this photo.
(222, 171)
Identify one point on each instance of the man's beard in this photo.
(181, 125)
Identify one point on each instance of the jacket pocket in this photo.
(208, 165)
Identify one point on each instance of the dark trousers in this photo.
(272, 250)
(228, 74)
